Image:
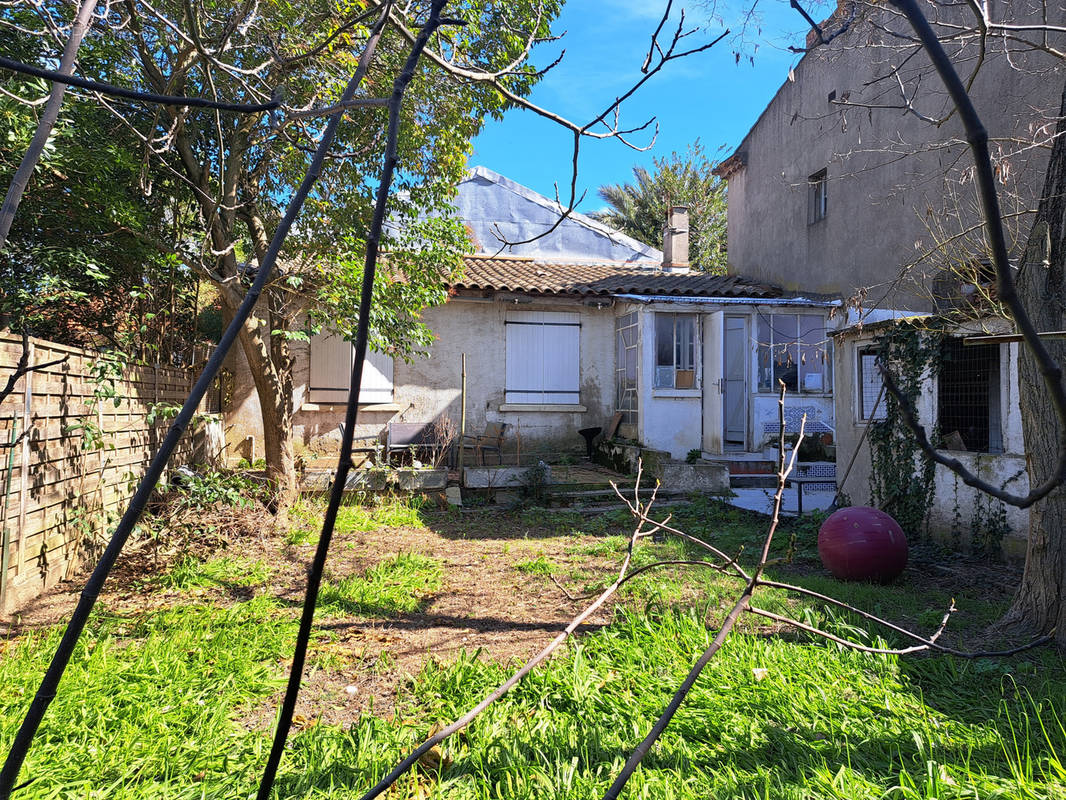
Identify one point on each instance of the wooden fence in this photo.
(64, 484)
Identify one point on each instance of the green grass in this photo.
(398, 585)
(224, 571)
(536, 566)
(388, 512)
(155, 704)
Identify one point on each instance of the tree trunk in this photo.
(273, 388)
(273, 385)
(1040, 603)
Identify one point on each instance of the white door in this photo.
(735, 383)
(713, 334)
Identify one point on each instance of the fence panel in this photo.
(64, 484)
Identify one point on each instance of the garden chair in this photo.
(364, 448)
(414, 437)
(490, 440)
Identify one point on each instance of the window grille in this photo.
(625, 367)
(871, 387)
(968, 395)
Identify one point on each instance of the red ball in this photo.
(862, 544)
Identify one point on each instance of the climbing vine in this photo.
(901, 481)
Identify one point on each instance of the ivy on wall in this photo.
(901, 480)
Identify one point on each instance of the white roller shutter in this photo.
(543, 357)
(331, 372)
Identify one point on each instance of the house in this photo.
(844, 187)
(968, 400)
(561, 333)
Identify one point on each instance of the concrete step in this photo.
(752, 481)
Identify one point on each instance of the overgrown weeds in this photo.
(169, 703)
(400, 584)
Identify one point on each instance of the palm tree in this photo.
(639, 209)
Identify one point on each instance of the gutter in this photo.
(729, 301)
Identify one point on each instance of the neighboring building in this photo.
(841, 190)
(576, 326)
(836, 189)
(970, 403)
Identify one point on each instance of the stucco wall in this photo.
(890, 174)
(955, 505)
(430, 386)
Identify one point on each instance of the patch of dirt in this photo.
(484, 603)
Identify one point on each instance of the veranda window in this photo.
(675, 351)
(793, 348)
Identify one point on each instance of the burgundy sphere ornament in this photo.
(862, 544)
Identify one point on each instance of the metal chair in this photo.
(490, 440)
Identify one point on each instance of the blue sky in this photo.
(710, 96)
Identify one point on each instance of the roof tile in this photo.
(523, 274)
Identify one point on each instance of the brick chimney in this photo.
(675, 241)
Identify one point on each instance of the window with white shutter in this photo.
(543, 357)
(331, 372)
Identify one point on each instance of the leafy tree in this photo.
(639, 209)
(75, 268)
(237, 171)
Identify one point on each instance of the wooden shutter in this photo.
(377, 378)
(331, 372)
(543, 357)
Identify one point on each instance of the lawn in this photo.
(173, 690)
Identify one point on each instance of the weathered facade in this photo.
(970, 401)
(855, 182)
(837, 189)
(580, 324)
(552, 348)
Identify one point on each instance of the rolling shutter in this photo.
(543, 357)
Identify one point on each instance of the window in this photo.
(872, 401)
(793, 348)
(543, 358)
(675, 351)
(817, 196)
(331, 372)
(625, 367)
(968, 396)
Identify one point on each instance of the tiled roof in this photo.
(517, 274)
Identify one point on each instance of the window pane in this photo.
(812, 353)
(664, 340)
(765, 362)
(786, 351)
(686, 341)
